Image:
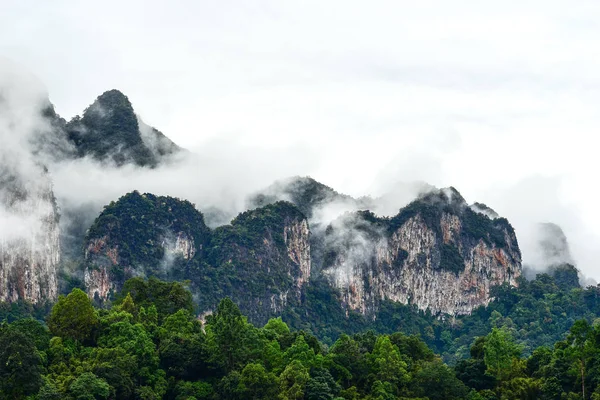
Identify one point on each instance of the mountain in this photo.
(29, 233)
(299, 241)
(553, 246)
(141, 235)
(109, 130)
(436, 253)
(262, 259)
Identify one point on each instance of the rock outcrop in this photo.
(437, 254)
(29, 239)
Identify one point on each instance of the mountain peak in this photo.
(303, 191)
(113, 97)
(112, 109)
(553, 245)
(445, 196)
(111, 131)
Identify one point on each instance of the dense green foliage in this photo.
(451, 259)
(537, 313)
(136, 351)
(149, 345)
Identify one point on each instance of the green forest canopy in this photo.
(149, 345)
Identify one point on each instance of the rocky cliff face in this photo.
(262, 261)
(437, 253)
(29, 239)
(29, 233)
(296, 237)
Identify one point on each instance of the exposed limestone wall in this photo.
(405, 267)
(182, 246)
(101, 257)
(295, 258)
(29, 258)
(296, 237)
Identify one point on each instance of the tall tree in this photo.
(500, 351)
(226, 331)
(73, 316)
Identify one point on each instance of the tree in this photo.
(20, 369)
(89, 387)
(167, 297)
(226, 331)
(134, 340)
(73, 316)
(117, 367)
(348, 361)
(500, 351)
(387, 364)
(438, 382)
(580, 350)
(256, 383)
(292, 381)
(321, 386)
(35, 330)
(300, 351)
(276, 328)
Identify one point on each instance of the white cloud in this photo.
(497, 99)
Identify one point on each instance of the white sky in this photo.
(499, 99)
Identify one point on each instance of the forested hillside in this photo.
(149, 345)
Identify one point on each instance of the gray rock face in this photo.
(441, 256)
(101, 257)
(29, 243)
(296, 237)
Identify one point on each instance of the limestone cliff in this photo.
(437, 253)
(29, 238)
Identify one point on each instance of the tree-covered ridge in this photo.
(250, 227)
(149, 345)
(247, 260)
(142, 227)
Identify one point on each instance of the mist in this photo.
(221, 171)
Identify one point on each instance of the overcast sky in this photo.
(500, 101)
